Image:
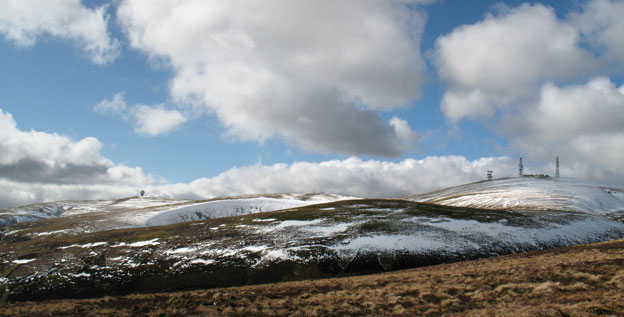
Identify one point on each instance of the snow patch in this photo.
(144, 243)
(87, 245)
(332, 229)
(255, 248)
(51, 232)
(296, 223)
(182, 250)
(264, 220)
(202, 261)
(394, 242)
(277, 255)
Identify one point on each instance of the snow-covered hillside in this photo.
(149, 211)
(334, 239)
(305, 236)
(531, 193)
(70, 208)
(228, 207)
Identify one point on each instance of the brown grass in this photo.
(575, 281)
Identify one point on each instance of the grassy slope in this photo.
(574, 281)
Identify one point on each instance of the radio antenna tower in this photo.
(520, 168)
(557, 168)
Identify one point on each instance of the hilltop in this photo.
(530, 193)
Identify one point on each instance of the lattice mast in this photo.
(557, 168)
(520, 168)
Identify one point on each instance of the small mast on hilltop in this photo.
(520, 168)
(557, 168)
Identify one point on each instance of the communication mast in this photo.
(489, 175)
(520, 168)
(557, 168)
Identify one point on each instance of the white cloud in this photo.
(471, 103)
(595, 107)
(351, 176)
(495, 62)
(37, 166)
(402, 129)
(518, 65)
(311, 72)
(24, 21)
(117, 105)
(603, 26)
(148, 120)
(51, 149)
(156, 120)
(583, 124)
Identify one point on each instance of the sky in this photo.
(370, 98)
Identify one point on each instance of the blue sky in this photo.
(217, 99)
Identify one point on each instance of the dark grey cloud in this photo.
(37, 166)
(317, 126)
(34, 171)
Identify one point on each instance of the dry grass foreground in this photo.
(574, 281)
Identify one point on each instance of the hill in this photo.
(585, 280)
(314, 241)
(146, 245)
(132, 212)
(531, 193)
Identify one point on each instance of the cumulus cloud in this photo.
(313, 73)
(22, 22)
(602, 25)
(497, 64)
(14, 194)
(516, 67)
(117, 105)
(157, 120)
(47, 148)
(584, 124)
(352, 176)
(37, 166)
(408, 137)
(492, 63)
(148, 120)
